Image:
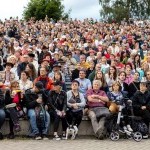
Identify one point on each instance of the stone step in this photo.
(85, 127)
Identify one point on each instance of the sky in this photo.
(80, 8)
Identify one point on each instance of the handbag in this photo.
(75, 99)
(100, 111)
(20, 113)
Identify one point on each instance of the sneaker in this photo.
(11, 136)
(129, 128)
(101, 137)
(145, 136)
(38, 137)
(126, 130)
(56, 137)
(45, 137)
(63, 137)
(17, 128)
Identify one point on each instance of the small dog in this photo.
(72, 131)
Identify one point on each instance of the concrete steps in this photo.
(84, 129)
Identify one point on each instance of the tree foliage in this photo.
(120, 9)
(41, 8)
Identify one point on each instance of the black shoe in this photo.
(101, 137)
(63, 136)
(1, 136)
(11, 136)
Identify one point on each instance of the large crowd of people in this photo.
(101, 60)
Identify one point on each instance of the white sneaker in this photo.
(38, 137)
(126, 130)
(129, 128)
(145, 136)
(57, 138)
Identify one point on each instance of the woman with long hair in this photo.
(129, 76)
(137, 62)
(24, 82)
(121, 79)
(111, 76)
(100, 76)
(31, 71)
(124, 57)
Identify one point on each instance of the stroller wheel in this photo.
(137, 136)
(114, 136)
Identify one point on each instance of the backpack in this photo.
(140, 126)
(111, 123)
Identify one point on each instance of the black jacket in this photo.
(75, 74)
(58, 100)
(133, 87)
(141, 99)
(30, 98)
(125, 86)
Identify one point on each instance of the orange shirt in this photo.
(47, 82)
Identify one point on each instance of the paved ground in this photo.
(78, 144)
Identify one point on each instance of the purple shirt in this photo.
(100, 93)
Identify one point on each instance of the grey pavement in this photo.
(78, 144)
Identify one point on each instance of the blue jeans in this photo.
(2, 117)
(33, 123)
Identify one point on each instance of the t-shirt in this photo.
(85, 84)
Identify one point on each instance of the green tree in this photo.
(39, 9)
(119, 9)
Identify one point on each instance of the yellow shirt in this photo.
(85, 65)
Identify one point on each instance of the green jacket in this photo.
(92, 75)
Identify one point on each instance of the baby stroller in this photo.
(115, 130)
